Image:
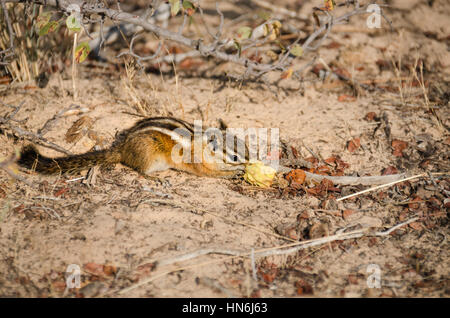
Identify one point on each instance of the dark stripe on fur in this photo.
(31, 159)
(162, 122)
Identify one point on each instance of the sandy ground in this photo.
(122, 229)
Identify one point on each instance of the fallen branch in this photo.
(277, 250)
(391, 184)
(5, 123)
(337, 237)
(348, 180)
(195, 254)
(35, 138)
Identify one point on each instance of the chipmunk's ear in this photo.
(222, 125)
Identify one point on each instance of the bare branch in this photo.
(219, 48)
(176, 58)
(5, 123)
(139, 59)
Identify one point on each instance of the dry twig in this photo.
(398, 180)
(5, 123)
(277, 250)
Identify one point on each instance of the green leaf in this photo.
(244, 32)
(43, 19)
(174, 7)
(82, 52)
(73, 22)
(297, 50)
(52, 26)
(44, 24)
(187, 5)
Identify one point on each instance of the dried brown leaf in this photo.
(353, 144)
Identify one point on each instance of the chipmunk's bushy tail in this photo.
(30, 158)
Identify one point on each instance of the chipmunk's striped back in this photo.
(184, 133)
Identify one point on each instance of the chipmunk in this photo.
(151, 145)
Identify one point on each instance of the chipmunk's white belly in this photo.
(159, 164)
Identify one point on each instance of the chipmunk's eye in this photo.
(234, 158)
